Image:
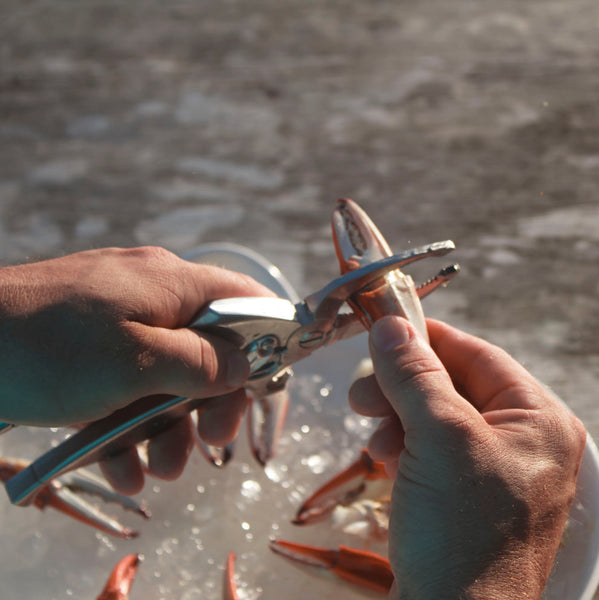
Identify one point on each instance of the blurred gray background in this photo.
(181, 123)
(187, 122)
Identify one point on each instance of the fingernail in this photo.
(238, 369)
(390, 332)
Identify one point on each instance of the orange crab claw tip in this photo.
(356, 238)
(130, 534)
(230, 588)
(10, 467)
(217, 456)
(121, 579)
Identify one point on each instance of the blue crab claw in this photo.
(265, 422)
(229, 585)
(121, 579)
(358, 242)
(216, 455)
(62, 494)
(361, 568)
(364, 478)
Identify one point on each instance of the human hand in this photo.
(86, 334)
(485, 462)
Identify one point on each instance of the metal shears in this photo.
(275, 333)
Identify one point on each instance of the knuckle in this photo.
(565, 433)
(577, 434)
(172, 364)
(416, 371)
(152, 254)
(141, 344)
(199, 365)
(208, 369)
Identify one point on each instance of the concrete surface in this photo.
(182, 123)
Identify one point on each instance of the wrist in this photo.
(514, 575)
(9, 291)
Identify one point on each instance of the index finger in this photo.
(207, 283)
(484, 373)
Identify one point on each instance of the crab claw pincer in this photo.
(358, 567)
(363, 478)
(358, 242)
(265, 422)
(63, 494)
(229, 586)
(121, 579)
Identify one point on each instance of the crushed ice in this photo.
(204, 515)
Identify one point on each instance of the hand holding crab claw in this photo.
(485, 462)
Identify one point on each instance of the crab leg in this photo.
(441, 279)
(265, 422)
(121, 579)
(365, 569)
(363, 477)
(215, 455)
(85, 482)
(358, 242)
(61, 494)
(229, 586)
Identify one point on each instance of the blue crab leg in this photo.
(62, 495)
(216, 455)
(265, 422)
(229, 586)
(121, 579)
(363, 478)
(358, 567)
(83, 481)
(441, 279)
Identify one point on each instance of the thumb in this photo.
(412, 377)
